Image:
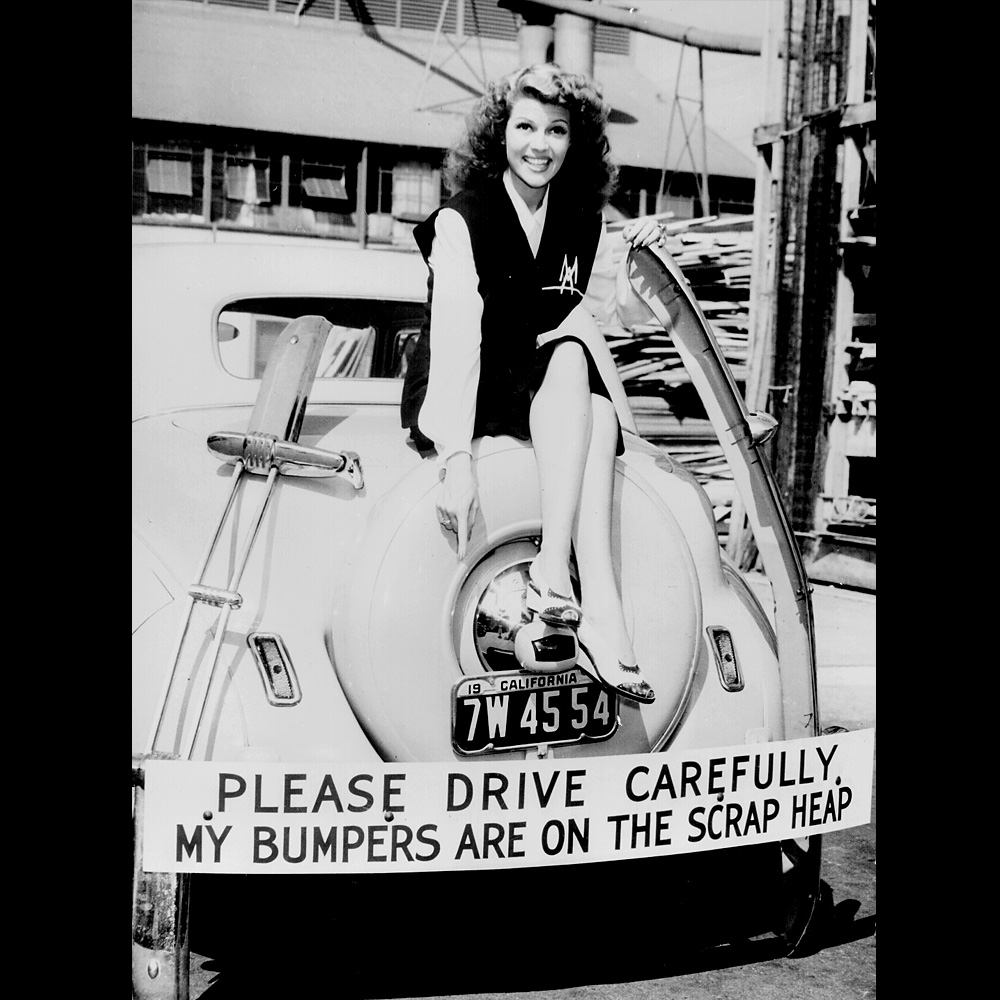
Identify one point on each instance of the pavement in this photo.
(845, 651)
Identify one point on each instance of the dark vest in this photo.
(522, 295)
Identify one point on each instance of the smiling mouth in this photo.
(537, 163)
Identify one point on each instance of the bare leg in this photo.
(575, 434)
(561, 419)
(601, 601)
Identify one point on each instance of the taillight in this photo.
(725, 658)
(280, 683)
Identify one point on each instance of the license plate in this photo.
(514, 710)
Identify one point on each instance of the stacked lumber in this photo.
(715, 257)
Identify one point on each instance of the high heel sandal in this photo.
(605, 666)
(551, 607)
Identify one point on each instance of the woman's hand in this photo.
(643, 232)
(458, 504)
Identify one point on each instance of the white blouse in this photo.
(448, 413)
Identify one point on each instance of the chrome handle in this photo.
(260, 453)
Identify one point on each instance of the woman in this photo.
(519, 260)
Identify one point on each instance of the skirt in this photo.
(503, 402)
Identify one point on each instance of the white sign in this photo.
(257, 818)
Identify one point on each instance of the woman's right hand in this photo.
(458, 503)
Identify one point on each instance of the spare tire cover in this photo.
(393, 637)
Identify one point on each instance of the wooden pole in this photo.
(835, 477)
(362, 199)
(206, 191)
(740, 543)
(806, 256)
(705, 203)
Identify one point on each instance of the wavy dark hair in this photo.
(480, 156)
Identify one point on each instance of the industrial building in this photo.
(330, 118)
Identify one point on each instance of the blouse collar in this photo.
(531, 223)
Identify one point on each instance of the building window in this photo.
(245, 185)
(416, 191)
(383, 193)
(280, 183)
(248, 181)
(324, 183)
(167, 182)
(321, 191)
(168, 174)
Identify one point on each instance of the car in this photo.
(296, 600)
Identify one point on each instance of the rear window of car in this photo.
(370, 338)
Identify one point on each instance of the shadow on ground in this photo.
(447, 949)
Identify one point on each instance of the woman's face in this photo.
(537, 138)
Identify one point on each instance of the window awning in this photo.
(329, 188)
